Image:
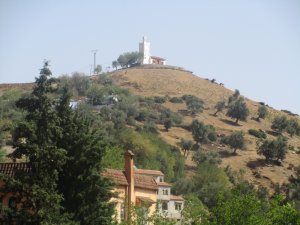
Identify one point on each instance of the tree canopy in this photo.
(238, 110)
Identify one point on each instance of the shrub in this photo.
(159, 100)
(257, 133)
(176, 100)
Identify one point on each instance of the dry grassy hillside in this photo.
(171, 82)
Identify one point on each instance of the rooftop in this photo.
(149, 172)
(10, 169)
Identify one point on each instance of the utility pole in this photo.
(95, 53)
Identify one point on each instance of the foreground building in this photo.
(145, 189)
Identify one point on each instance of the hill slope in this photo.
(173, 82)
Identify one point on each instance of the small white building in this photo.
(144, 49)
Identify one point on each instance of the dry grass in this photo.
(162, 82)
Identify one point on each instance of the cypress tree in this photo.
(35, 139)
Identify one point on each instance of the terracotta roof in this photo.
(9, 169)
(143, 181)
(158, 58)
(164, 184)
(140, 180)
(117, 175)
(149, 172)
(176, 198)
(145, 199)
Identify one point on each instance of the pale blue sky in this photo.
(253, 45)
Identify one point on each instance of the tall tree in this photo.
(35, 139)
(86, 193)
(238, 110)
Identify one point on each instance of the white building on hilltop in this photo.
(144, 49)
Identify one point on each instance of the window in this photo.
(164, 206)
(122, 212)
(178, 206)
(161, 179)
(165, 192)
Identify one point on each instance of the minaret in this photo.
(144, 49)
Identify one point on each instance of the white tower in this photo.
(144, 49)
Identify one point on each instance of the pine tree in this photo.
(86, 193)
(35, 139)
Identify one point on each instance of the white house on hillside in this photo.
(144, 49)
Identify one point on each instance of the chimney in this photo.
(129, 173)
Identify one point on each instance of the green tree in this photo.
(129, 59)
(86, 193)
(194, 104)
(238, 110)
(235, 140)
(194, 212)
(168, 124)
(262, 112)
(186, 146)
(80, 83)
(35, 139)
(210, 157)
(234, 96)
(292, 127)
(219, 107)
(202, 133)
(98, 69)
(273, 149)
(115, 64)
(279, 123)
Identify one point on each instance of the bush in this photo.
(210, 157)
(159, 100)
(273, 149)
(257, 133)
(176, 100)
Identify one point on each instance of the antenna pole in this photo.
(95, 54)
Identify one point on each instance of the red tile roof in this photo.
(145, 199)
(176, 198)
(9, 169)
(140, 180)
(117, 175)
(158, 58)
(149, 172)
(164, 184)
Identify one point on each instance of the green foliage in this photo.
(209, 182)
(80, 83)
(238, 110)
(129, 59)
(159, 99)
(239, 210)
(257, 133)
(115, 64)
(201, 132)
(234, 97)
(209, 157)
(262, 112)
(113, 158)
(194, 211)
(176, 100)
(293, 127)
(35, 138)
(273, 149)
(220, 106)
(186, 146)
(98, 69)
(151, 152)
(193, 103)
(168, 124)
(279, 123)
(235, 140)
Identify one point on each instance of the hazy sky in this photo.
(253, 45)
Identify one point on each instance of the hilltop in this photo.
(169, 81)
